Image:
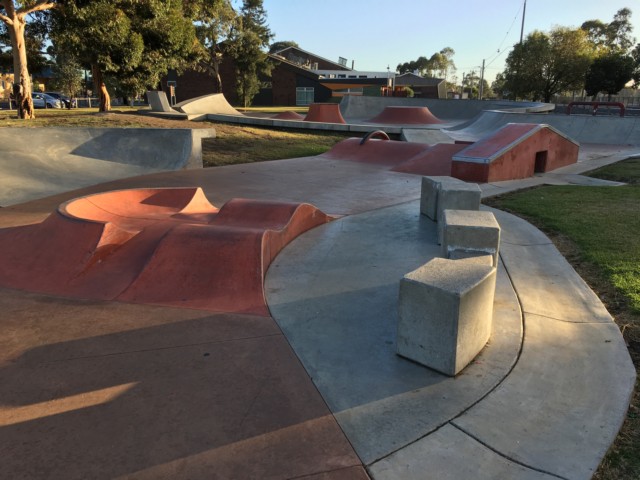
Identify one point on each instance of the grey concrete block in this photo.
(429, 194)
(458, 196)
(445, 312)
(469, 233)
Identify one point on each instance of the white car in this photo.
(42, 100)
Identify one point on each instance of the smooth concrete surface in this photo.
(450, 454)
(38, 162)
(470, 232)
(113, 390)
(122, 390)
(342, 325)
(445, 309)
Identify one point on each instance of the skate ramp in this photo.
(155, 246)
(325, 113)
(517, 150)
(356, 108)
(38, 162)
(374, 151)
(288, 115)
(401, 115)
(613, 130)
(215, 103)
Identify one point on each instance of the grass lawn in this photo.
(598, 230)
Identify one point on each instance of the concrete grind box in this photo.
(445, 312)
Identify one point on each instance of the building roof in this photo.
(305, 53)
(417, 80)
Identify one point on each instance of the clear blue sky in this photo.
(377, 33)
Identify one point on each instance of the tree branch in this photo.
(39, 6)
(6, 19)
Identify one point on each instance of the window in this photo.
(304, 95)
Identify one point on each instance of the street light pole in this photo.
(524, 11)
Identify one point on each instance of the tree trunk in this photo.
(21, 78)
(98, 83)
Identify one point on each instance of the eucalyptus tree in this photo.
(126, 43)
(14, 15)
(548, 63)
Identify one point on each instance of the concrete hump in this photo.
(159, 246)
(374, 151)
(215, 103)
(405, 116)
(288, 115)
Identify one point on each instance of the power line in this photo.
(499, 50)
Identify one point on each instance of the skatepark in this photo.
(168, 321)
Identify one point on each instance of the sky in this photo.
(380, 33)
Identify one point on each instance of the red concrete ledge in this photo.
(157, 246)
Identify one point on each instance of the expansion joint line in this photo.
(510, 459)
(450, 421)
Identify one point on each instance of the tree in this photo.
(126, 44)
(611, 37)
(609, 74)
(278, 46)
(498, 86)
(545, 64)
(635, 54)
(67, 76)
(440, 63)
(245, 46)
(13, 15)
(215, 20)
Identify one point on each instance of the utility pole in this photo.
(481, 81)
(524, 11)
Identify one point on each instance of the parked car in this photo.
(63, 98)
(42, 100)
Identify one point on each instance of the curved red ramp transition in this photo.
(288, 115)
(395, 115)
(158, 246)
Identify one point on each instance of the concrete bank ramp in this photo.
(612, 130)
(363, 107)
(38, 162)
(215, 104)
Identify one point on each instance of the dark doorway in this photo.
(541, 162)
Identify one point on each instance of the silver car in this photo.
(42, 100)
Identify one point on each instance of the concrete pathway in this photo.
(95, 389)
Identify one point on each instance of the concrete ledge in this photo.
(445, 311)
(470, 233)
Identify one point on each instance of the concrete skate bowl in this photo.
(360, 108)
(401, 115)
(155, 246)
(215, 104)
(610, 130)
(38, 162)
